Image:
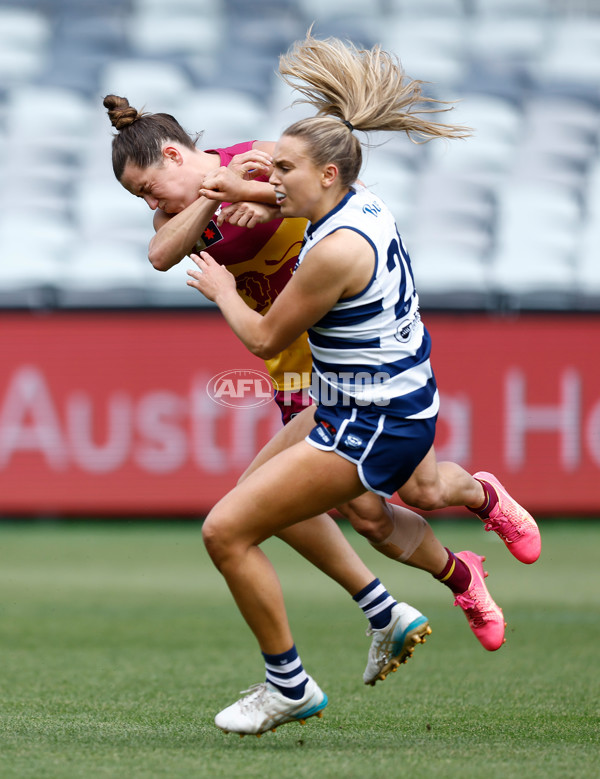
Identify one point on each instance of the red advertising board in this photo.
(115, 413)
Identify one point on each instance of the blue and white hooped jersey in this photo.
(372, 348)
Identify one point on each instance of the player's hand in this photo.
(251, 164)
(211, 279)
(226, 183)
(222, 184)
(248, 214)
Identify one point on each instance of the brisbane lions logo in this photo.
(258, 287)
(263, 288)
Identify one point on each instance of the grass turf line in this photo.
(120, 643)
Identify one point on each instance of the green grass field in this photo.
(120, 642)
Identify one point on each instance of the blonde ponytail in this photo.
(356, 89)
(366, 87)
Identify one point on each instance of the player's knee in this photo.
(216, 538)
(374, 532)
(371, 520)
(425, 498)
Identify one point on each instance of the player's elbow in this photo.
(262, 337)
(161, 255)
(265, 351)
(158, 260)
(266, 346)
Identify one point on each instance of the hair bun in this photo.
(120, 113)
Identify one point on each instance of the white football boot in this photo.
(395, 643)
(265, 708)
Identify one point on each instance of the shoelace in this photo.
(506, 529)
(254, 696)
(475, 612)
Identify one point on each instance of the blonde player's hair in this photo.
(356, 89)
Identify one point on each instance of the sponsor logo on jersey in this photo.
(405, 329)
(210, 236)
(372, 208)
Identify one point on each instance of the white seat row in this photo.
(510, 213)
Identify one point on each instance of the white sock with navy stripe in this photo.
(285, 672)
(376, 603)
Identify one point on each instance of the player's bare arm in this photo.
(177, 234)
(248, 214)
(236, 182)
(225, 185)
(339, 266)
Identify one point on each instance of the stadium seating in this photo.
(107, 273)
(506, 219)
(24, 40)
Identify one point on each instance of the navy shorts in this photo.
(385, 449)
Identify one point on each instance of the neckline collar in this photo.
(314, 226)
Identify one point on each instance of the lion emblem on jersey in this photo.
(258, 287)
(263, 288)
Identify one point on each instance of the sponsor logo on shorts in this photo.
(241, 388)
(324, 434)
(353, 441)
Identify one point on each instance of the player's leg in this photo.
(411, 540)
(318, 539)
(232, 533)
(314, 480)
(447, 484)
(299, 483)
(396, 532)
(436, 485)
